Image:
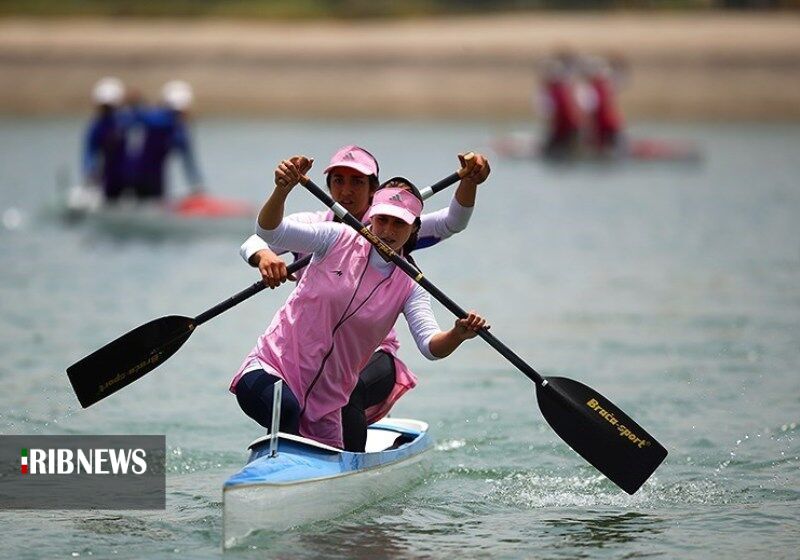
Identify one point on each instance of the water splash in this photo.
(535, 491)
(451, 444)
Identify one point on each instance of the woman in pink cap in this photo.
(352, 178)
(341, 310)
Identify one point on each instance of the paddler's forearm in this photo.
(271, 214)
(466, 192)
(444, 343)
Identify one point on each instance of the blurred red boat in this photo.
(523, 145)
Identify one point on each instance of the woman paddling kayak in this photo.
(342, 309)
(352, 177)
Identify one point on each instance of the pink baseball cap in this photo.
(399, 203)
(356, 158)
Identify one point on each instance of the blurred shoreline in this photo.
(708, 66)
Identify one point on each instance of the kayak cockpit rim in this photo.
(297, 439)
(402, 426)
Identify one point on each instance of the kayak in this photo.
(306, 481)
(193, 214)
(525, 146)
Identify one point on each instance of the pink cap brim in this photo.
(352, 165)
(392, 210)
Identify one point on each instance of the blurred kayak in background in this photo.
(526, 146)
(193, 214)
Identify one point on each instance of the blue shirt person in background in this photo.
(103, 161)
(165, 131)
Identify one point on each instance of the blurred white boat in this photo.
(193, 214)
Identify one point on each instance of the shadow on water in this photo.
(318, 541)
(356, 542)
(578, 537)
(130, 526)
(583, 535)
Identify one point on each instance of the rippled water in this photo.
(672, 289)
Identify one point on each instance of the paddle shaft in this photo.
(417, 276)
(245, 294)
(250, 291)
(428, 192)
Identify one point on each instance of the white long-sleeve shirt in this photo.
(317, 238)
(436, 226)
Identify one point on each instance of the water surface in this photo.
(672, 289)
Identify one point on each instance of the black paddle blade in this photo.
(126, 359)
(600, 432)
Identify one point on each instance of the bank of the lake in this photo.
(691, 66)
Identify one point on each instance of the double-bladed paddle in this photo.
(591, 424)
(140, 351)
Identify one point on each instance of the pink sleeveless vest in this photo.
(325, 333)
(405, 380)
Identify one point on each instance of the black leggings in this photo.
(254, 392)
(375, 384)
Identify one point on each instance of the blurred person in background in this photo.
(603, 123)
(165, 130)
(103, 161)
(132, 116)
(555, 102)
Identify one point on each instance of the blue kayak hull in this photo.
(308, 481)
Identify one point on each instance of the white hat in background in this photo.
(108, 91)
(177, 94)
